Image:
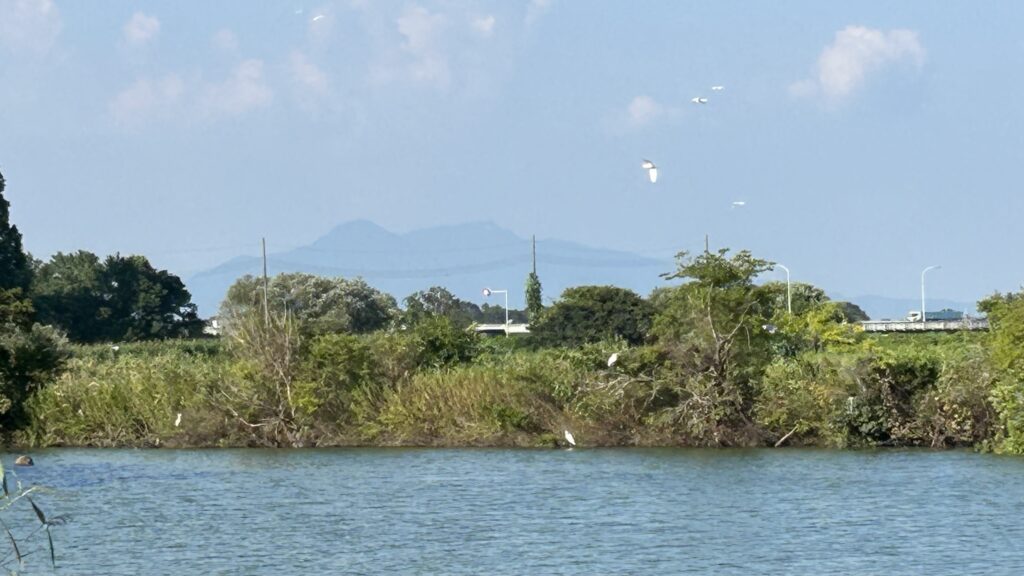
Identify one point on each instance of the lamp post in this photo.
(924, 315)
(488, 292)
(789, 291)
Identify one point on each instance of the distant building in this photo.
(213, 326)
(493, 329)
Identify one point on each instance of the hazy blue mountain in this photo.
(464, 258)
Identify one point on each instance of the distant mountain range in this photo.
(464, 258)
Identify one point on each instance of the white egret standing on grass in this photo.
(652, 170)
(569, 438)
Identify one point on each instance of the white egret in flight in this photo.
(739, 204)
(318, 17)
(569, 438)
(718, 88)
(652, 170)
(699, 100)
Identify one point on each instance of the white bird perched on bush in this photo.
(652, 170)
(613, 359)
(569, 438)
(177, 421)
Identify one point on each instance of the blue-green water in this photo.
(630, 511)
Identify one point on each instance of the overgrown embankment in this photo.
(446, 388)
(717, 360)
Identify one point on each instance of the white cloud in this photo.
(146, 100)
(29, 25)
(141, 29)
(844, 66)
(643, 110)
(225, 40)
(537, 8)
(423, 33)
(306, 74)
(484, 25)
(244, 90)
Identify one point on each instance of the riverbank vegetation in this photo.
(713, 361)
(713, 358)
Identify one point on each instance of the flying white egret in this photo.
(613, 359)
(739, 204)
(718, 88)
(652, 170)
(699, 100)
(569, 438)
(177, 421)
(318, 17)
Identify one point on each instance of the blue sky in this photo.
(868, 139)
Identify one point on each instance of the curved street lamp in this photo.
(487, 294)
(924, 314)
(789, 291)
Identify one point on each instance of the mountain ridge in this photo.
(463, 258)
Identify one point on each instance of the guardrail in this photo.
(927, 326)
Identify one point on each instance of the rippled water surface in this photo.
(368, 511)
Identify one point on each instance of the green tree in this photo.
(121, 298)
(1006, 348)
(318, 305)
(534, 297)
(715, 330)
(29, 358)
(438, 301)
(15, 270)
(587, 314)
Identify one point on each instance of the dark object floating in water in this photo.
(24, 461)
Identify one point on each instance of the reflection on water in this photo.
(366, 511)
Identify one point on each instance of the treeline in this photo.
(712, 359)
(80, 298)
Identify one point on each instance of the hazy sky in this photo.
(868, 140)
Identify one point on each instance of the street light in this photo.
(924, 315)
(789, 291)
(488, 292)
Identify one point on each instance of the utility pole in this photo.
(266, 284)
(706, 244)
(534, 240)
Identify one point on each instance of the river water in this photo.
(621, 511)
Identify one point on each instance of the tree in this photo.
(28, 359)
(121, 298)
(15, 272)
(715, 329)
(29, 353)
(534, 303)
(318, 305)
(594, 313)
(438, 301)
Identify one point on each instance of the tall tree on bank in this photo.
(534, 298)
(29, 353)
(15, 272)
